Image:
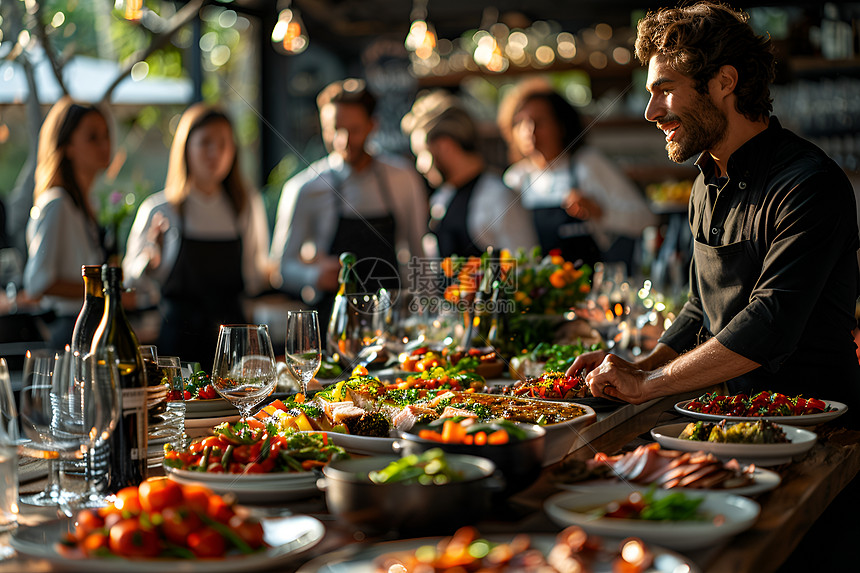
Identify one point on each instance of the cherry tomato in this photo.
(96, 543)
(219, 510)
(158, 493)
(128, 500)
(87, 522)
(197, 497)
(206, 543)
(178, 523)
(129, 539)
(248, 529)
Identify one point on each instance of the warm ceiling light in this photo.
(421, 39)
(289, 34)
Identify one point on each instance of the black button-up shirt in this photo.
(797, 321)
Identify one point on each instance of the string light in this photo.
(489, 40)
(289, 34)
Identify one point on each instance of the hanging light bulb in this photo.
(489, 40)
(421, 39)
(289, 34)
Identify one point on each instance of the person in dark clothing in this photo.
(471, 208)
(774, 276)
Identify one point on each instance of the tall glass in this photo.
(244, 369)
(97, 391)
(303, 346)
(169, 369)
(9, 439)
(35, 414)
(357, 331)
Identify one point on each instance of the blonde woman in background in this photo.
(62, 233)
(201, 244)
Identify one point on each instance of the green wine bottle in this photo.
(128, 445)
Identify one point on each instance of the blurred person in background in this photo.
(372, 205)
(579, 200)
(471, 209)
(200, 246)
(63, 233)
(774, 278)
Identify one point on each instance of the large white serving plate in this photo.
(728, 515)
(252, 488)
(288, 536)
(800, 441)
(362, 559)
(838, 408)
(208, 408)
(762, 480)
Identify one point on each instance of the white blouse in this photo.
(60, 239)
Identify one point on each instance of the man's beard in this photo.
(704, 127)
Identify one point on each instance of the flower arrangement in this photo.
(550, 284)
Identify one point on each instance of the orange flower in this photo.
(452, 293)
(448, 267)
(557, 279)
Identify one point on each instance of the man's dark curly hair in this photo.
(698, 40)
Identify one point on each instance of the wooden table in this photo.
(808, 487)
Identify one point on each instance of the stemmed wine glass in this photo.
(95, 402)
(35, 412)
(303, 347)
(244, 369)
(357, 329)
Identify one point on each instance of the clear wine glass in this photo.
(358, 329)
(95, 403)
(35, 413)
(244, 369)
(303, 347)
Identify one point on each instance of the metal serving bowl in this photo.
(413, 508)
(519, 461)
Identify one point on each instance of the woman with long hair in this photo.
(581, 203)
(201, 244)
(62, 233)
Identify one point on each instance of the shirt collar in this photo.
(745, 158)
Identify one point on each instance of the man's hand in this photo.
(587, 361)
(618, 379)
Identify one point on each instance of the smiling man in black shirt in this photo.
(774, 277)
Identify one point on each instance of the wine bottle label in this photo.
(134, 406)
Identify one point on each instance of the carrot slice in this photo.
(498, 438)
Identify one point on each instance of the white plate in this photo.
(361, 559)
(206, 407)
(800, 441)
(573, 508)
(762, 480)
(210, 422)
(805, 420)
(562, 436)
(253, 488)
(288, 537)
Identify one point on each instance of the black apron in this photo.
(452, 232)
(202, 292)
(726, 276)
(372, 240)
(556, 229)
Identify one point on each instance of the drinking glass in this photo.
(35, 412)
(356, 332)
(303, 347)
(244, 369)
(97, 393)
(9, 440)
(169, 369)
